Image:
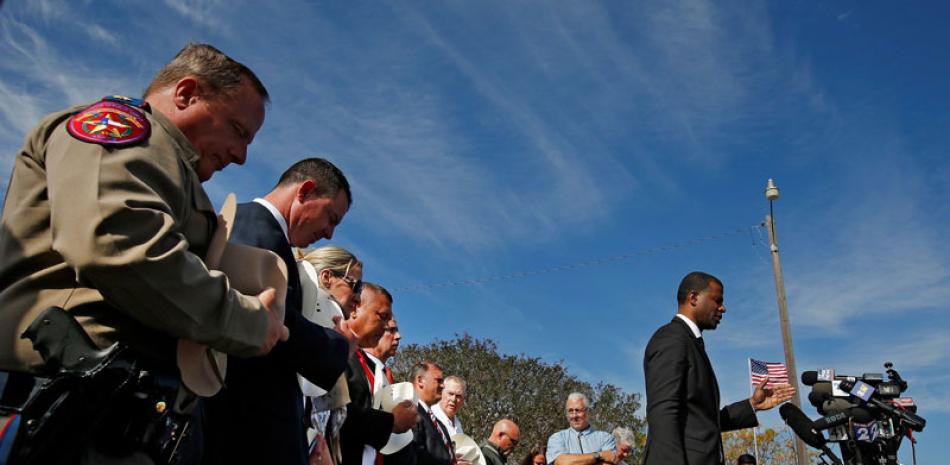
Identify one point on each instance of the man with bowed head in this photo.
(105, 216)
(683, 414)
(366, 430)
(259, 418)
(502, 442)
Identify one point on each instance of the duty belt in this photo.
(113, 399)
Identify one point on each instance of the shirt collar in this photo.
(425, 406)
(378, 362)
(277, 216)
(585, 431)
(692, 326)
(188, 151)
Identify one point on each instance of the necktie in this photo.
(580, 445)
(389, 375)
(438, 427)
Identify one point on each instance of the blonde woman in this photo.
(331, 280)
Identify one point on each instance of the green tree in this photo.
(525, 389)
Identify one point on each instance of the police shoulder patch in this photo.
(110, 122)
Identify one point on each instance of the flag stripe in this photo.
(759, 370)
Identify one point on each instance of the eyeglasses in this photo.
(576, 411)
(355, 284)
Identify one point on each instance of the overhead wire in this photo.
(582, 264)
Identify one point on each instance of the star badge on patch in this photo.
(110, 123)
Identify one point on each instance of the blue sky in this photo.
(494, 137)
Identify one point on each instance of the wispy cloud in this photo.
(881, 252)
(207, 13)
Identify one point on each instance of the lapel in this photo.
(437, 426)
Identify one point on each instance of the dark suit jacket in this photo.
(492, 455)
(683, 413)
(364, 424)
(427, 443)
(259, 416)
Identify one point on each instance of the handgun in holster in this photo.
(112, 399)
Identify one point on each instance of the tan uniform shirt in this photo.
(114, 235)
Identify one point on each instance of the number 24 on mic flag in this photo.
(776, 372)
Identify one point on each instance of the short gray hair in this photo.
(579, 396)
(624, 434)
(459, 380)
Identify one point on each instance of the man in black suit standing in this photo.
(259, 417)
(685, 422)
(366, 430)
(431, 442)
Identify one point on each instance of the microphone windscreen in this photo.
(809, 377)
(861, 415)
(824, 387)
(801, 425)
(833, 406)
(816, 398)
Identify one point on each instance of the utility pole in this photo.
(771, 193)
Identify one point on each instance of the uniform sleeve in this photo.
(113, 220)
(665, 367)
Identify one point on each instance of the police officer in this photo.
(105, 216)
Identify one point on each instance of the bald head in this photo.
(505, 436)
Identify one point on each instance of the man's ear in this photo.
(693, 298)
(304, 189)
(187, 92)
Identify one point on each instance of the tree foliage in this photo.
(774, 447)
(522, 388)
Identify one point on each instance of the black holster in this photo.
(114, 400)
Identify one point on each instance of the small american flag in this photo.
(776, 372)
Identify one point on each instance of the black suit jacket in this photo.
(259, 416)
(492, 455)
(685, 422)
(427, 444)
(364, 425)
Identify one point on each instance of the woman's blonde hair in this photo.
(339, 261)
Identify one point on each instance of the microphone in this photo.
(809, 378)
(803, 427)
(913, 421)
(827, 404)
(859, 415)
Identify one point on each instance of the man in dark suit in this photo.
(366, 430)
(431, 442)
(259, 417)
(385, 349)
(503, 440)
(685, 422)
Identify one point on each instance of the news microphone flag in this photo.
(759, 370)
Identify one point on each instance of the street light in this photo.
(771, 194)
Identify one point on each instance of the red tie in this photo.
(438, 427)
(389, 375)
